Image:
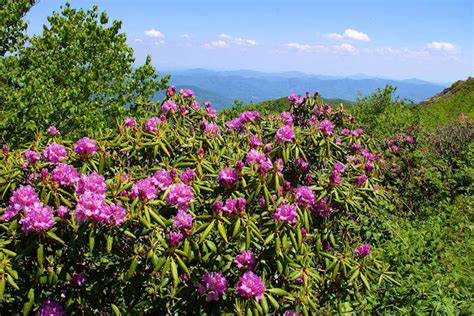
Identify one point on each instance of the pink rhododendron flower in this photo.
(174, 239)
(297, 100)
(51, 308)
(78, 279)
(254, 141)
(249, 116)
(245, 260)
(335, 178)
(54, 153)
(53, 131)
(85, 146)
(90, 205)
(130, 122)
(287, 117)
(322, 208)
(286, 213)
(151, 126)
(169, 106)
(188, 93)
(235, 206)
(187, 175)
(250, 285)
(227, 177)
(326, 128)
(234, 124)
(171, 91)
(183, 221)
(162, 179)
(93, 182)
(22, 198)
(65, 174)
(304, 196)
(181, 195)
(62, 211)
(360, 180)
(31, 156)
(144, 189)
(362, 250)
(285, 133)
(116, 214)
(5, 149)
(213, 285)
(211, 112)
(37, 218)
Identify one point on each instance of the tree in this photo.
(76, 75)
(12, 25)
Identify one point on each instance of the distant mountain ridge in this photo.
(223, 87)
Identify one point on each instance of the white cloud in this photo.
(335, 36)
(441, 46)
(186, 36)
(229, 39)
(218, 44)
(138, 40)
(349, 34)
(154, 33)
(356, 35)
(304, 47)
(347, 48)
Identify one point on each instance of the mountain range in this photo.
(223, 87)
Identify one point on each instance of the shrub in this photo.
(184, 212)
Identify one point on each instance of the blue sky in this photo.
(431, 40)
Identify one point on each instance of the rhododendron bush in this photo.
(189, 212)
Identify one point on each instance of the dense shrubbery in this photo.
(260, 214)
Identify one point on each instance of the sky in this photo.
(426, 39)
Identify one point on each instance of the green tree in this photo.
(12, 25)
(76, 75)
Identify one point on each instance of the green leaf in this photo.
(207, 231)
(278, 291)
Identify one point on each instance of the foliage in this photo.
(12, 27)
(308, 260)
(77, 74)
(274, 106)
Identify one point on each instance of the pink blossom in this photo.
(213, 285)
(93, 182)
(171, 91)
(174, 239)
(285, 133)
(227, 177)
(53, 131)
(78, 279)
(85, 146)
(62, 211)
(90, 205)
(54, 153)
(144, 189)
(360, 180)
(181, 195)
(322, 208)
(245, 260)
(169, 106)
(187, 175)
(362, 250)
(151, 126)
(51, 308)
(31, 156)
(234, 124)
(22, 198)
(249, 116)
(183, 221)
(130, 122)
(286, 213)
(37, 218)
(235, 206)
(326, 128)
(65, 174)
(304, 196)
(162, 179)
(188, 93)
(287, 117)
(250, 285)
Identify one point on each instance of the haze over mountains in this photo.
(223, 87)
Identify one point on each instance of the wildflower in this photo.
(144, 189)
(217, 206)
(54, 153)
(183, 221)
(62, 211)
(362, 250)
(85, 146)
(32, 156)
(130, 122)
(115, 214)
(234, 124)
(169, 106)
(335, 178)
(297, 100)
(187, 175)
(37, 218)
(91, 205)
(287, 117)
(53, 131)
(188, 93)
(213, 285)
(162, 179)
(5, 149)
(227, 177)
(151, 126)
(250, 285)
(254, 141)
(301, 165)
(286, 213)
(171, 91)
(65, 174)
(93, 182)
(235, 206)
(245, 260)
(78, 279)
(211, 112)
(22, 198)
(249, 117)
(326, 128)
(51, 308)
(322, 208)
(175, 238)
(180, 195)
(285, 133)
(360, 180)
(304, 196)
